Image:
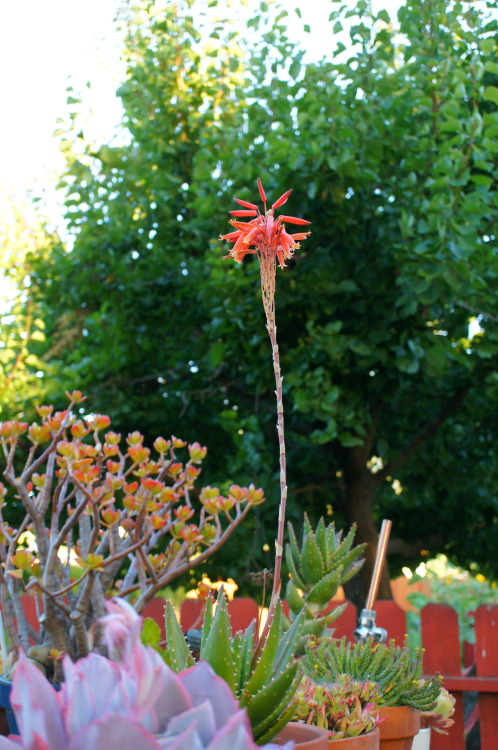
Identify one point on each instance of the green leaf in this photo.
(177, 654)
(491, 94)
(266, 660)
(151, 633)
(311, 559)
(217, 650)
(267, 705)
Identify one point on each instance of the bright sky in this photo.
(47, 44)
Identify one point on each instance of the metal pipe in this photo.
(379, 563)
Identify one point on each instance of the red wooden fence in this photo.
(443, 652)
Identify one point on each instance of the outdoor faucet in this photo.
(366, 621)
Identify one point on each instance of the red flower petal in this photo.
(293, 220)
(243, 213)
(282, 199)
(261, 191)
(246, 204)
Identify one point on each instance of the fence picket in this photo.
(486, 626)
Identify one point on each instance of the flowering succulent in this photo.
(134, 702)
(94, 503)
(439, 718)
(266, 236)
(346, 707)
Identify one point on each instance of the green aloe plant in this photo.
(396, 670)
(317, 568)
(264, 681)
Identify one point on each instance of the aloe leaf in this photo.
(217, 650)
(311, 560)
(208, 619)
(293, 546)
(323, 591)
(344, 547)
(293, 598)
(293, 569)
(288, 643)
(280, 722)
(246, 654)
(307, 527)
(321, 539)
(352, 571)
(267, 705)
(177, 654)
(331, 543)
(263, 669)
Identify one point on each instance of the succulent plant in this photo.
(346, 707)
(324, 562)
(439, 718)
(263, 682)
(124, 513)
(136, 702)
(396, 669)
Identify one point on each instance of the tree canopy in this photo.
(390, 145)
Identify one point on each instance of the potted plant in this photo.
(347, 708)
(439, 719)
(94, 512)
(134, 702)
(396, 670)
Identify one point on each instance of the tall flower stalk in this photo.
(265, 235)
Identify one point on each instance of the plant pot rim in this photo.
(304, 736)
(372, 734)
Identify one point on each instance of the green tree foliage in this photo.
(390, 146)
(24, 242)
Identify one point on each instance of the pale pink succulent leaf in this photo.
(189, 740)
(9, 744)
(36, 706)
(114, 731)
(173, 698)
(203, 684)
(203, 718)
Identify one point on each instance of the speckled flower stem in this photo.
(268, 269)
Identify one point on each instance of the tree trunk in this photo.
(361, 486)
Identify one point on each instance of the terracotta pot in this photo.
(369, 741)
(398, 729)
(305, 736)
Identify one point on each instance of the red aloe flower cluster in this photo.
(263, 234)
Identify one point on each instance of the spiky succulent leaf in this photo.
(217, 649)
(311, 560)
(177, 654)
(326, 588)
(351, 571)
(293, 598)
(280, 723)
(208, 619)
(246, 652)
(263, 668)
(344, 547)
(267, 705)
(287, 645)
(293, 568)
(321, 539)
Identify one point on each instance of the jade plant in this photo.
(346, 707)
(317, 568)
(396, 669)
(134, 701)
(103, 515)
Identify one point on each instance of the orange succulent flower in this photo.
(264, 234)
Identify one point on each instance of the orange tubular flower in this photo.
(264, 235)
